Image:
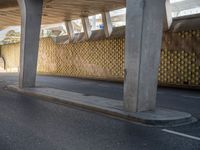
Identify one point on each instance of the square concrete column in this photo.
(108, 28)
(31, 14)
(70, 30)
(144, 28)
(86, 27)
(167, 16)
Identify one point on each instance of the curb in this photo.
(150, 118)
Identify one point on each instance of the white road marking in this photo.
(181, 134)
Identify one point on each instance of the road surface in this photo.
(29, 123)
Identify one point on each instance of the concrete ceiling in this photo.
(55, 11)
(185, 5)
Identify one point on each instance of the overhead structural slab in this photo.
(55, 11)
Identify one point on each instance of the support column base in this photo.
(164, 117)
(113, 108)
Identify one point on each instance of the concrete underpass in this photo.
(99, 75)
(31, 123)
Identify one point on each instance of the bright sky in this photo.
(3, 32)
(175, 1)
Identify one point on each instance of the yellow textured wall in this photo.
(101, 59)
(179, 68)
(10, 53)
(180, 59)
(104, 59)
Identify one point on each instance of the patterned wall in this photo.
(180, 59)
(179, 68)
(101, 59)
(10, 53)
(104, 59)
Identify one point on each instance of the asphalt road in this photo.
(28, 123)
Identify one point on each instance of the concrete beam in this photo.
(8, 5)
(86, 27)
(107, 24)
(31, 14)
(144, 28)
(167, 16)
(70, 29)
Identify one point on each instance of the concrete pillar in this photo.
(107, 24)
(167, 16)
(70, 29)
(144, 28)
(31, 13)
(86, 27)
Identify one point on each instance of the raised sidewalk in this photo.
(113, 108)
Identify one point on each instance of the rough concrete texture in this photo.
(114, 108)
(31, 16)
(106, 19)
(144, 28)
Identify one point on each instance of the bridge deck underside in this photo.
(55, 11)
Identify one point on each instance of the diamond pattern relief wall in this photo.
(10, 53)
(95, 59)
(104, 59)
(179, 67)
